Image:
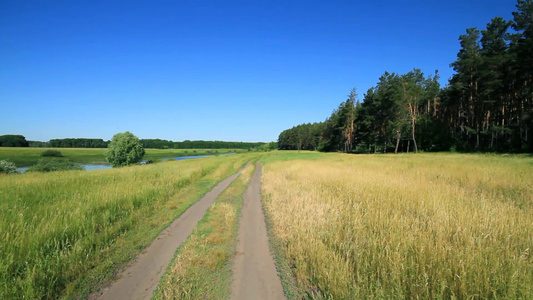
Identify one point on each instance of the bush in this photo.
(52, 153)
(7, 167)
(124, 149)
(54, 164)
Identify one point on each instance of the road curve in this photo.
(254, 272)
(141, 277)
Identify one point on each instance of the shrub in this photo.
(54, 164)
(52, 153)
(124, 149)
(7, 167)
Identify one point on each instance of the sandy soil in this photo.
(141, 277)
(254, 272)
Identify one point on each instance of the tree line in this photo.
(487, 104)
(78, 143)
(20, 141)
(200, 144)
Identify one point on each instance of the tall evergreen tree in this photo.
(465, 84)
(493, 72)
(523, 49)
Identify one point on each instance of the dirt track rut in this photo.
(254, 272)
(141, 277)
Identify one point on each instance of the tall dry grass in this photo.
(430, 226)
(60, 229)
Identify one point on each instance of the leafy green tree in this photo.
(13, 140)
(416, 93)
(301, 137)
(124, 149)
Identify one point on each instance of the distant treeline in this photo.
(20, 141)
(164, 144)
(70, 143)
(78, 143)
(486, 106)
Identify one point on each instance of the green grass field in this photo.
(25, 157)
(65, 232)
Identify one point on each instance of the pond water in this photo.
(184, 157)
(92, 167)
(96, 167)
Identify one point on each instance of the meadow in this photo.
(24, 157)
(63, 233)
(425, 226)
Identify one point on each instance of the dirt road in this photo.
(141, 277)
(254, 272)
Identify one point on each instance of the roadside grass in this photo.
(65, 232)
(425, 226)
(25, 157)
(202, 266)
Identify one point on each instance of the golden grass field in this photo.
(425, 226)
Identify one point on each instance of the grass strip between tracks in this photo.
(202, 266)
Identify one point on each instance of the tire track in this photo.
(141, 277)
(254, 272)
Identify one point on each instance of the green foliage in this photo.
(268, 146)
(11, 140)
(77, 143)
(166, 144)
(338, 132)
(52, 153)
(124, 149)
(7, 167)
(301, 137)
(54, 164)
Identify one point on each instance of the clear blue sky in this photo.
(211, 70)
